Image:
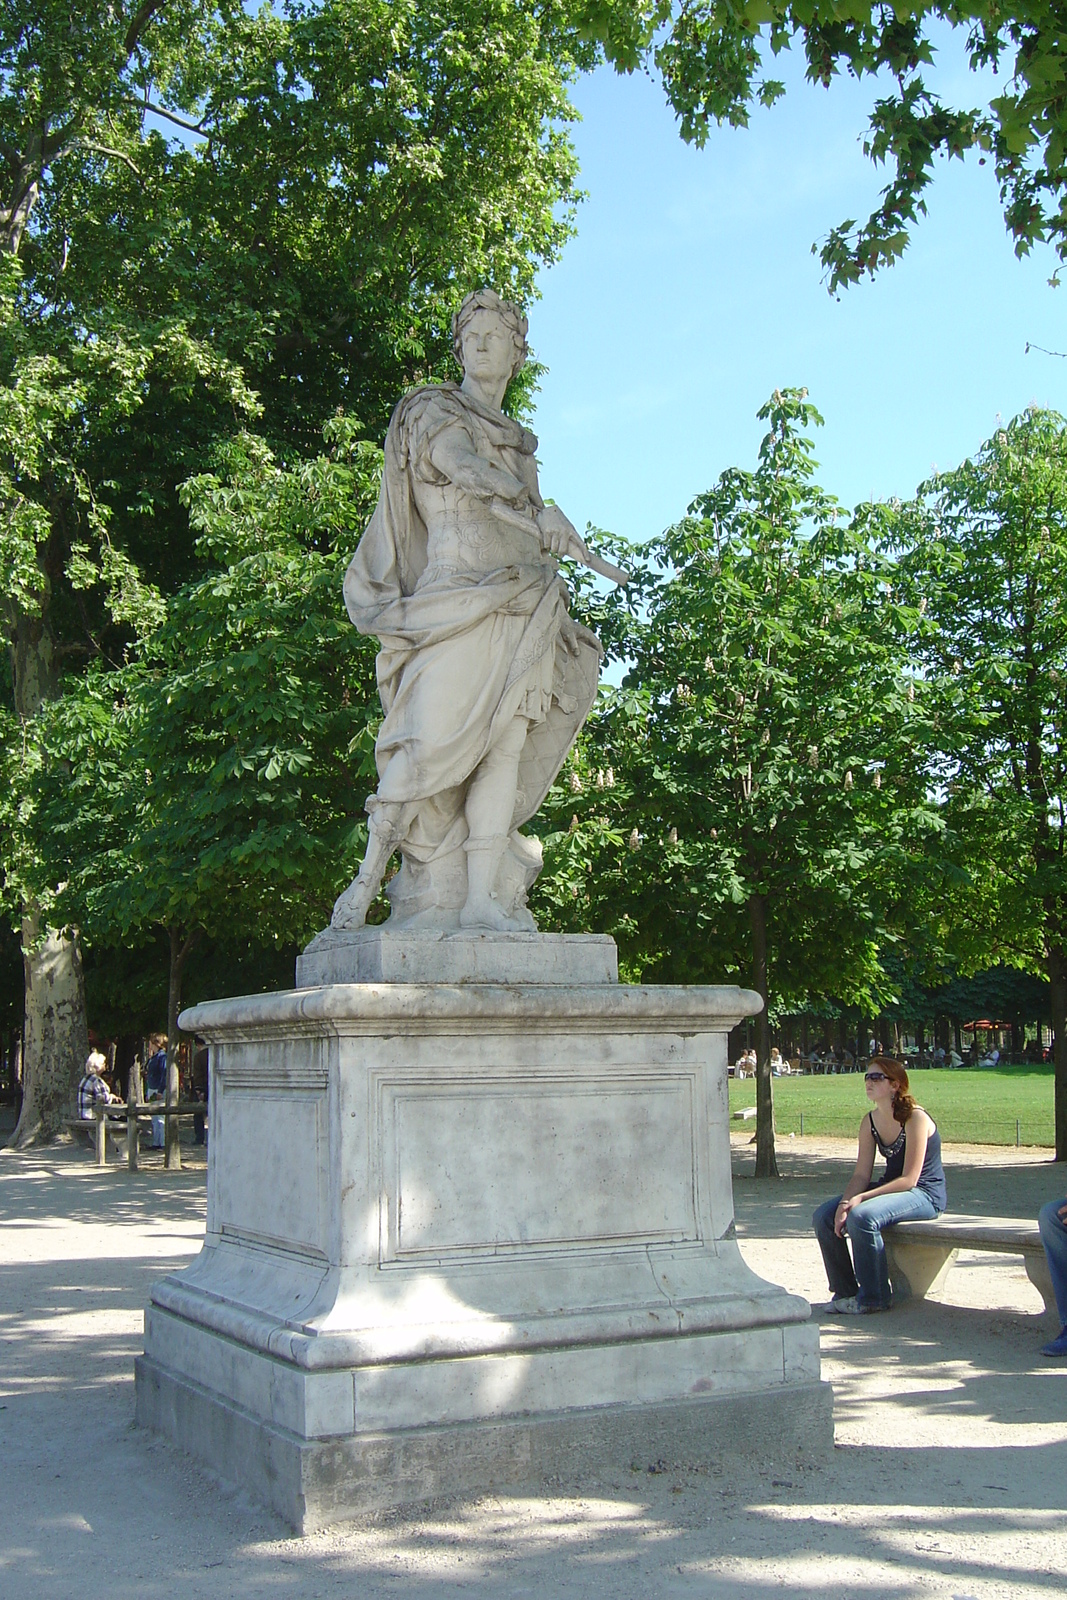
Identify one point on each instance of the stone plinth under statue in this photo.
(470, 1218)
(462, 1235)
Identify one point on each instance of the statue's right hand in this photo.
(558, 533)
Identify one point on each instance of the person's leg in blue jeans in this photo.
(1053, 1228)
(864, 1228)
(836, 1259)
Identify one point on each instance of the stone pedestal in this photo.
(401, 955)
(466, 1234)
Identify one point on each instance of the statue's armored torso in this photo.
(466, 536)
(466, 532)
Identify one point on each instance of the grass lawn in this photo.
(970, 1107)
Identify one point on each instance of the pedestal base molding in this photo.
(316, 1483)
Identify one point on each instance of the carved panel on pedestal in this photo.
(480, 1166)
(274, 1188)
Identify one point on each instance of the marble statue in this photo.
(469, 1197)
(484, 677)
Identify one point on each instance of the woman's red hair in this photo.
(896, 1072)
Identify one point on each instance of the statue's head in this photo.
(481, 306)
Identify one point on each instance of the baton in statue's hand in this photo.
(582, 553)
(577, 547)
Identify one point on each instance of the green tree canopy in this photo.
(717, 59)
(214, 218)
(214, 785)
(753, 799)
(987, 546)
(310, 186)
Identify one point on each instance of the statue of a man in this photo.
(484, 677)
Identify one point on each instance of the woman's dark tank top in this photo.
(931, 1178)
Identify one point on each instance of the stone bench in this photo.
(921, 1253)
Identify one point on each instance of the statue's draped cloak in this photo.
(463, 652)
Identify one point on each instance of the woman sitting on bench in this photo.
(912, 1187)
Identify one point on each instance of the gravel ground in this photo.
(949, 1478)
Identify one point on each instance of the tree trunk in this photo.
(179, 952)
(57, 1040)
(1057, 974)
(57, 1033)
(766, 1164)
(16, 1071)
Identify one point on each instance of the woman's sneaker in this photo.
(1056, 1346)
(845, 1305)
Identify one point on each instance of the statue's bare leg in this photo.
(489, 808)
(386, 828)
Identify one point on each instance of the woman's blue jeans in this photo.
(865, 1273)
(1054, 1238)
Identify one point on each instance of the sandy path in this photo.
(949, 1480)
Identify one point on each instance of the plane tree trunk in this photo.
(57, 1038)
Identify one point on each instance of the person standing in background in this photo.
(155, 1083)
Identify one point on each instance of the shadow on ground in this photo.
(948, 1480)
(63, 1185)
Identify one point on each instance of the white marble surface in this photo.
(484, 677)
(413, 1394)
(445, 1218)
(403, 1176)
(396, 955)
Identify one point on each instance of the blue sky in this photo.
(690, 293)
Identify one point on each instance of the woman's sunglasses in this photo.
(875, 1077)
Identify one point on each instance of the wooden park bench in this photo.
(920, 1254)
(124, 1118)
(103, 1122)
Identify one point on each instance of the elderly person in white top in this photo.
(93, 1092)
